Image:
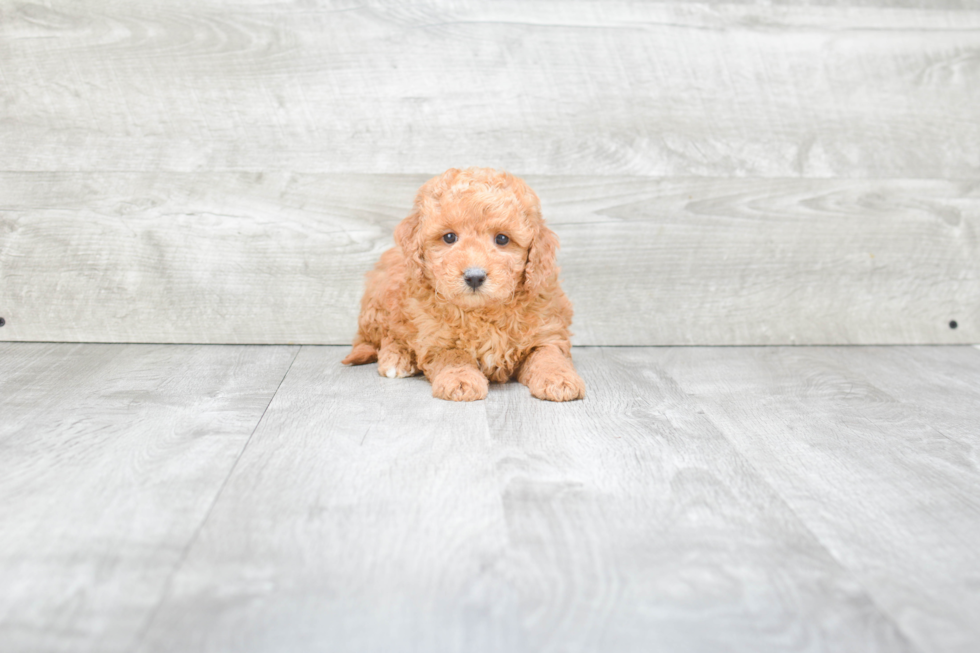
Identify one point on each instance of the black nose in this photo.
(474, 277)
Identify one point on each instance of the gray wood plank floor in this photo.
(110, 458)
(219, 498)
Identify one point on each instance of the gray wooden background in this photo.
(740, 173)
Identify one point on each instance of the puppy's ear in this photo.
(407, 238)
(408, 234)
(541, 255)
(541, 259)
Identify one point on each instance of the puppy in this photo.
(470, 293)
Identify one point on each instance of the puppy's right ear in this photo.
(407, 238)
(408, 232)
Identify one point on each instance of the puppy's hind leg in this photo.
(369, 332)
(363, 352)
(395, 361)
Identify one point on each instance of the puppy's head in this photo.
(476, 236)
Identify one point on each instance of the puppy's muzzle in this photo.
(474, 277)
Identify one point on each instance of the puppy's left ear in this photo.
(541, 259)
(542, 254)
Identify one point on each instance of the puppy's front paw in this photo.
(557, 385)
(460, 384)
(395, 363)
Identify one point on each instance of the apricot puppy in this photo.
(470, 293)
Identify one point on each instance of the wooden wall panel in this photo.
(279, 258)
(612, 88)
(225, 171)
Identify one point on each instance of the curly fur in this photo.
(419, 315)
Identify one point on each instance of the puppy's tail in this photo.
(362, 353)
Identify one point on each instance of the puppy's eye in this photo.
(501, 239)
(449, 238)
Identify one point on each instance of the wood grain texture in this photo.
(739, 262)
(699, 499)
(110, 458)
(366, 516)
(940, 384)
(588, 87)
(889, 484)
(634, 525)
(363, 516)
(280, 258)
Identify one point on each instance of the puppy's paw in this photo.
(395, 363)
(460, 384)
(557, 385)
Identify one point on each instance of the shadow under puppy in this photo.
(470, 293)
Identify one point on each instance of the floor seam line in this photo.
(885, 614)
(139, 639)
(698, 403)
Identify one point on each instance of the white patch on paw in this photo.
(391, 373)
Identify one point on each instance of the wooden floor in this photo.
(265, 498)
